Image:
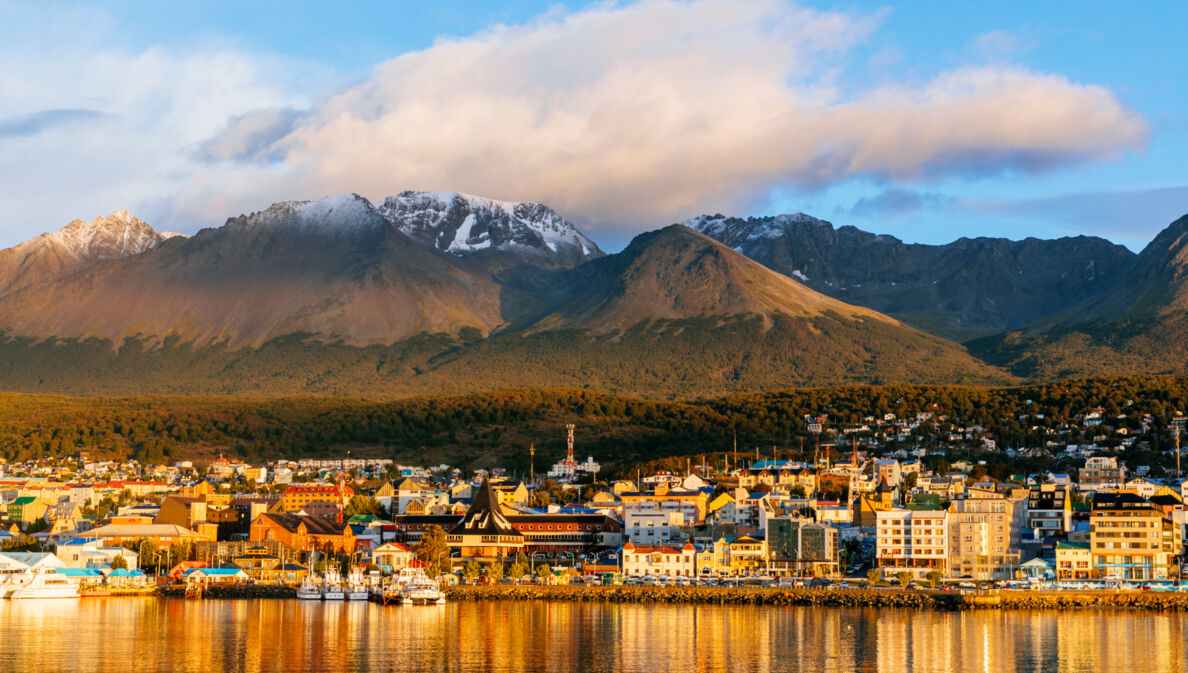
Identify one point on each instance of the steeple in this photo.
(485, 516)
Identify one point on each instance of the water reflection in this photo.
(138, 634)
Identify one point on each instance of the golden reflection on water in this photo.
(129, 635)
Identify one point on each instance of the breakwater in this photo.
(229, 591)
(857, 598)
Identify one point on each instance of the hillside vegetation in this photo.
(496, 428)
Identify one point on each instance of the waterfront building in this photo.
(1073, 561)
(645, 524)
(801, 547)
(90, 552)
(392, 557)
(302, 532)
(1132, 539)
(645, 561)
(984, 534)
(916, 541)
(162, 535)
(485, 532)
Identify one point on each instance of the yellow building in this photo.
(696, 499)
(1073, 561)
(1131, 539)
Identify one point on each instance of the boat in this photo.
(309, 591)
(332, 590)
(356, 587)
(425, 592)
(40, 585)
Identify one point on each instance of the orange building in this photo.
(303, 532)
(297, 496)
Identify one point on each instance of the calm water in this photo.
(144, 634)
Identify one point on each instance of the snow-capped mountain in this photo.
(77, 246)
(348, 214)
(461, 224)
(966, 288)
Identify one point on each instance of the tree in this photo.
(119, 563)
(934, 577)
(539, 500)
(874, 575)
(495, 570)
(797, 491)
(543, 571)
(519, 567)
(433, 550)
(362, 504)
(472, 571)
(904, 577)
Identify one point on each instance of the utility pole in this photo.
(532, 462)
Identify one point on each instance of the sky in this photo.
(927, 121)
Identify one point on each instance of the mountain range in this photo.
(432, 292)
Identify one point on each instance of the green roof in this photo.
(1072, 545)
(25, 500)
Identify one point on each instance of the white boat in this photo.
(424, 592)
(41, 585)
(356, 587)
(309, 591)
(332, 590)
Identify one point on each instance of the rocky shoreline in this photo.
(841, 598)
(863, 598)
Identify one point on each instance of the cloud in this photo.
(1131, 217)
(621, 116)
(642, 114)
(897, 202)
(42, 120)
(251, 136)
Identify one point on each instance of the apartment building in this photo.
(1132, 539)
(985, 527)
(915, 541)
(1101, 473)
(1049, 510)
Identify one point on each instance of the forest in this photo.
(486, 429)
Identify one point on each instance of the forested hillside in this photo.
(489, 428)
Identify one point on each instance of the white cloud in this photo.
(645, 113)
(621, 116)
(92, 128)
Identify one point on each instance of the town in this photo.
(862, 509)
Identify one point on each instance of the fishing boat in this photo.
(356, 587)
(309, 590)
(332, 590)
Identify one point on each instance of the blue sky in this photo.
(921, 120)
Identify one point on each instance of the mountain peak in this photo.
(464, 224)
(338, 214)
(74, 247)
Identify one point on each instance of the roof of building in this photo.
(485, 516)
(141, 530)
(316, 525)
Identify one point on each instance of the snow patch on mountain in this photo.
(115, 236)
(463, 224)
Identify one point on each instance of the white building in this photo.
(659, 561)
(84, 552)
(647, 524)
(915, 541)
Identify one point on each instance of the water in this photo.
(125, 635)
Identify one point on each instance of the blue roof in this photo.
(124, 572)
(78, 572)
(79, 541)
